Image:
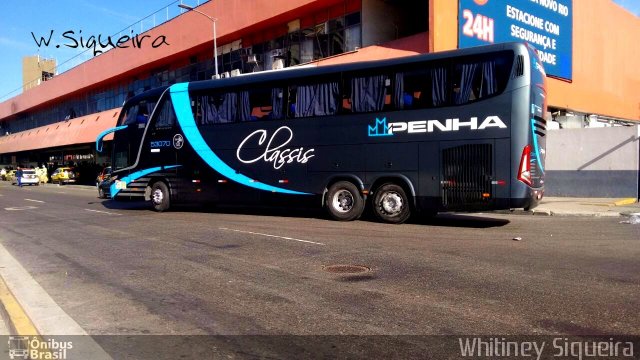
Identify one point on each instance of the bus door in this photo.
(163, 142)
(126, 141)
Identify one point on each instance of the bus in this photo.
(461, 130)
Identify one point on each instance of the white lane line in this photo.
(38, 201)
(274, 236)
(18, 208)
(102, 212)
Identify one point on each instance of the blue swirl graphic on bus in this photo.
(536, 148)
(182, 105)
(380, 128)
(105, 133)
(135, 176)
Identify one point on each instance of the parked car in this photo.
(64, 175)
(104, 188)
(103, 175)
(29, 177)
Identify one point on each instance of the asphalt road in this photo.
(120, 268)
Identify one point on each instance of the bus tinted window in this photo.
(266, 103)
(259, 103)
(314, 99)
(165, 115)
(222, 107)
(366, 93)
(138, 113)
(463, 81)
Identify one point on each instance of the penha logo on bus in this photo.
(381, 128)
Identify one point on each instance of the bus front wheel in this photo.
(160, 198)
(344, 202)
(390, 204)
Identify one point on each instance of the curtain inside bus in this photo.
(317, 99)
(439, 86)
(368, 93)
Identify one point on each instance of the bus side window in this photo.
(165, 116)
(474, 79)
(266, 103)
(369, 93)
(317, 99)
(291, 101)
(223, 108)
(412, 90)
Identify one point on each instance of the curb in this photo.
(627, 201)
(17, 320)
(547, 212)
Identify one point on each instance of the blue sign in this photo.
(545, 24)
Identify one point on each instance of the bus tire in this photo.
(160, 197)
(101, 194)
(344, 202)
(390, 204)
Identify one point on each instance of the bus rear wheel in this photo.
(160, 198)
(390, 204)
(344, 202)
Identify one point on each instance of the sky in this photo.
(20, 19)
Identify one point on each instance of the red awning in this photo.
(80, 130)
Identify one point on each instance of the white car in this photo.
(29, 177)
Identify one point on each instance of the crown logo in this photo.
(380, 128)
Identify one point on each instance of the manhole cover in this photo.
(346, 269)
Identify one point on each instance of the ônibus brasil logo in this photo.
(381, 128)
(35, 348)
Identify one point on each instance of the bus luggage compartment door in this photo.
(467, 175)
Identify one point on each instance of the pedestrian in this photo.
(19, 176)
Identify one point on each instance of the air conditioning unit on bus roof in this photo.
(234, 72)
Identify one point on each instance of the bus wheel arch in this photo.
(393, 199)
(343, 200)
(159, 194)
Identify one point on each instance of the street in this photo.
(120, 268)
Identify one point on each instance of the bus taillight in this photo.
(524, 171)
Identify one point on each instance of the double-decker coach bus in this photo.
(462, 130)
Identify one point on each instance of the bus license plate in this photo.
(121, 185)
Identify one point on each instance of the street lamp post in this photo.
(215, 44)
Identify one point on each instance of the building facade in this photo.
(36, 70)
(57, 121)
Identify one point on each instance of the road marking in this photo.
(17, 208)
(103, 212)
(38, 201)
(32, 312)
(275, 236)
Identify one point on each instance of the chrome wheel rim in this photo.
(392, 203)
(157, 196)
(343, 201)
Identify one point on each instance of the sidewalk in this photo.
(565, 206)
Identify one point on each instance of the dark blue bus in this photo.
(462, 130)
